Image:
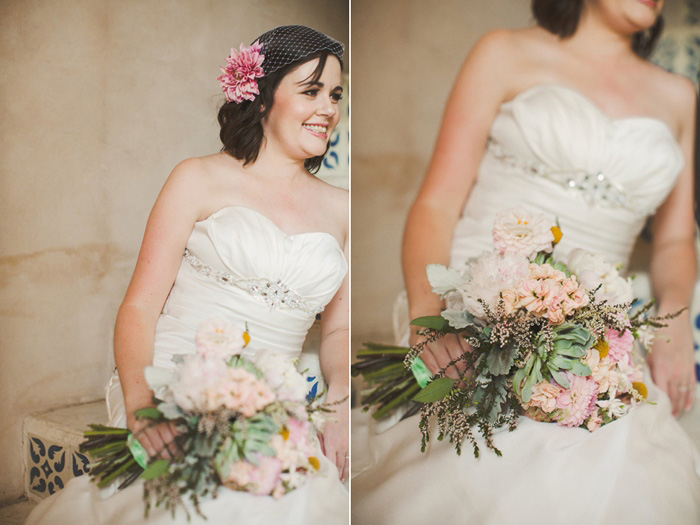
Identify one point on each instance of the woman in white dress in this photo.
(566, 118)
(264, 243)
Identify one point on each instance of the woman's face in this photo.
(305, 112)
(627, 16)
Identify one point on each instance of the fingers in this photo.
(438, 354)
(675, 395)
(158, 440)
(321, 442)
(690, 397)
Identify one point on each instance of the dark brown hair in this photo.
(561, 17)
(241, 124)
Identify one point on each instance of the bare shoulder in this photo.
(678, 94)
(335, 203)
(515, 55)
(337, 198)
(192, 183)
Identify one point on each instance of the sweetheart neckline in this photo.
(593, 104)
(274, 225)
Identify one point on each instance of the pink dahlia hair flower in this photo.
(243, 68)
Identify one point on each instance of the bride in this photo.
(265, 244)
(568, 119)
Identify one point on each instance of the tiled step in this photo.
(51, 442)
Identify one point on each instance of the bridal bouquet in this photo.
(242, 424)
(549, 338)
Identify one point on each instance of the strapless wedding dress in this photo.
(239, 266)
(551, 150)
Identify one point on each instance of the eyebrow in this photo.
(316, 83)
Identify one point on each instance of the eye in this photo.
(337, 97)
(311, 92)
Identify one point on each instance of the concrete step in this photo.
(51, 441)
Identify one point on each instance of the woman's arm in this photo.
(335, 367)
(673, 271)
(480, 88)
(169, 226)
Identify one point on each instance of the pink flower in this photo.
(594, 422)
(578, 401)
(243, 67)
(619, 345)
(219, 339)
(490, 274)
(265, 477)
(544, 396)
(298, 430)
(520, 232)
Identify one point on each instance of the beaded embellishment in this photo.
(596, 188)
(274, 294)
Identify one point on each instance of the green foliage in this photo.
(500, 360)
(149, 413)
(436, 322)
(156, 468)
(435, 390)
(458, 319)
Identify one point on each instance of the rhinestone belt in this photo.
(274, 294)
(595, 188)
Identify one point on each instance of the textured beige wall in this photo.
(100, 99)
(406, 54)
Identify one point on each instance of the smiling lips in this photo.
(650, 3)
(319, 130)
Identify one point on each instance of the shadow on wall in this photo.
(381, 198)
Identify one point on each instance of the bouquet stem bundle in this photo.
(391, 385)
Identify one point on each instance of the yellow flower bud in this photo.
(315, 463)
(602, 347)
(641, 388)
(284, 432)
(556, 231)
(246, 338)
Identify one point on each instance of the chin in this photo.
(644, 14)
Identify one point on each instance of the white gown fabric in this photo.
(230, 252)
(551, 150)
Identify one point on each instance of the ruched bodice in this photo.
(554, 150)
(242, 267)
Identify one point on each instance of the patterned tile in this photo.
(51, 465)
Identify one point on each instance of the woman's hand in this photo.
(158, 439)
(437, 354)
(334, 438)
(672, 364)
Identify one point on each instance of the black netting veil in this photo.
(286, 44)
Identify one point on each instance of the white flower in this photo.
(282, 376)
(488, 275)
(592, 270)
(646, 334)
(521, 232)
(217, 338)
(615, 407)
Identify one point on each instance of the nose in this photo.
(327, 107)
